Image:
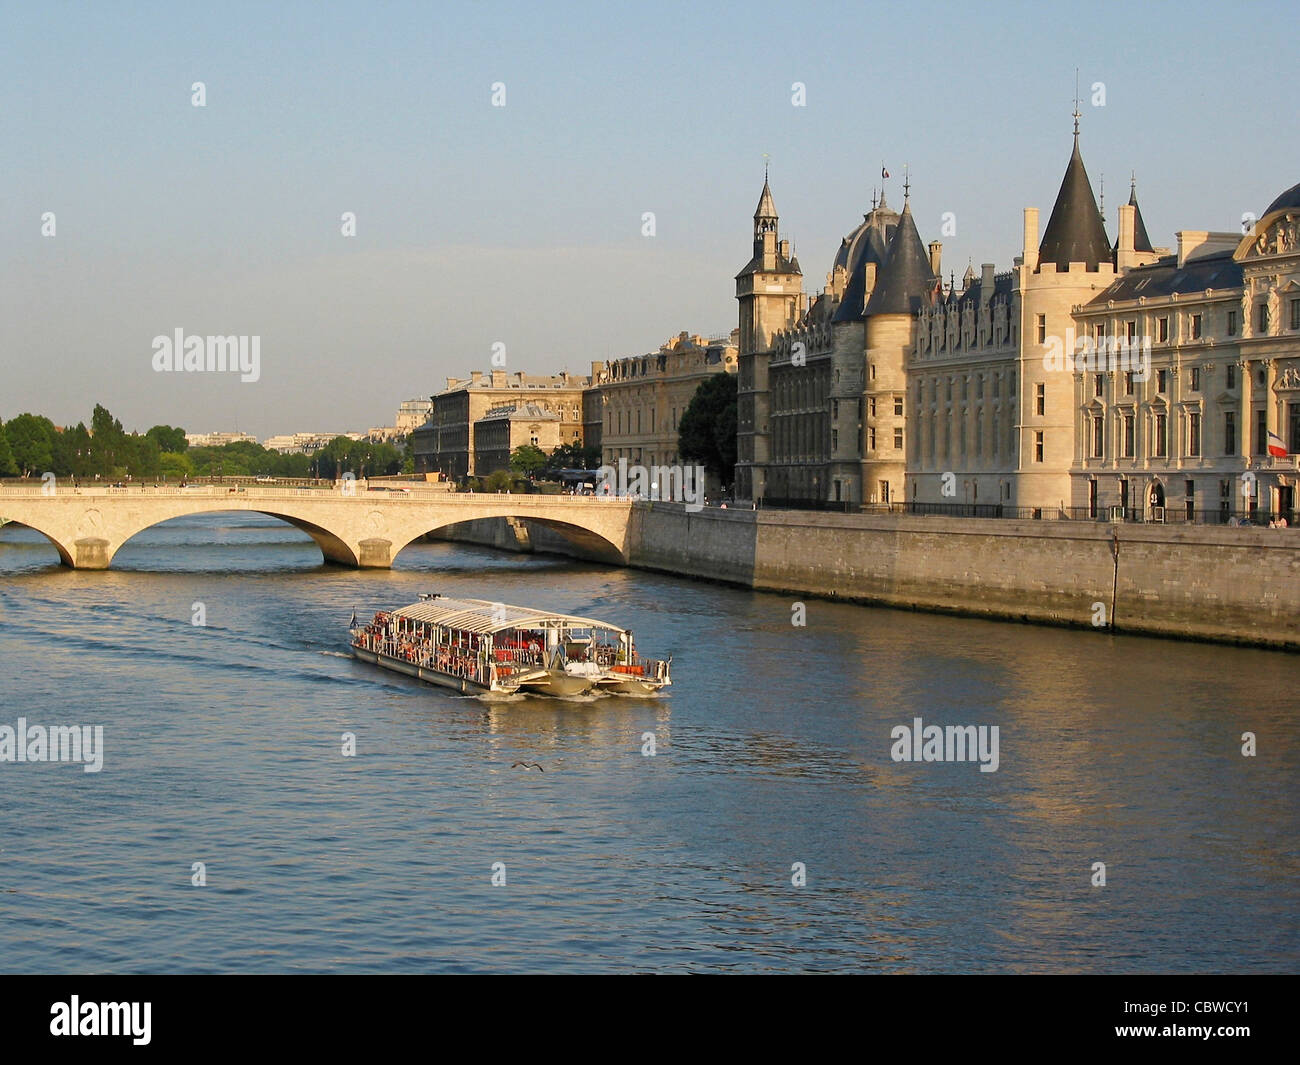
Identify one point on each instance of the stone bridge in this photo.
(361, 528)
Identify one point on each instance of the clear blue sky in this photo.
(522, 224)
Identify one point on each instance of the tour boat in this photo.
(475, 646)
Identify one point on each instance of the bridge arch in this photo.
(88, 526)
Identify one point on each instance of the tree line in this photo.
(31, 445)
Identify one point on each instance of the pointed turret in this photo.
(1075, 233)
(765, 212)
(1141, 242)
(905, 276)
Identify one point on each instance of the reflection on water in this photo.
(223, 745)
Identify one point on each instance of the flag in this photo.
(883, 172)
(1275, 447)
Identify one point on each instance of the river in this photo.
(770, 830)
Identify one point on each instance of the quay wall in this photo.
(1199, 582)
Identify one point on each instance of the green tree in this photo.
(707, 431)
(31, 443)
(527, 459)
(502, 481)
(175, 467)
(8, 468)
(107, 443)
(78, 449)
(168, 438)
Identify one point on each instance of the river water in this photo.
(772, 764)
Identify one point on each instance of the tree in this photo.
(7, 465)
(168, 438)
(527, 459)
(707, 431)
(573, 456)
(31, 443)
(502, 481)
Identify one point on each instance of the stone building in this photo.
(642, 398)
(1187, 435)
(890, 386)
(445, 443)
(502, 429)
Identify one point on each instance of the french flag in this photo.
(1275, 447)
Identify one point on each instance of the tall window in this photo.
(1229, 432)
(871, 438)
(1162, 381)
(898, 406)
(1098, 436)
(1261, 431)
(872, 406)
(1231, 376)
(1128, 436)
(1263, 318)
(1194, 434)
(835, 408)
(1196, 327)
(1163, 327)
(1295, 314)
(1132, 331)
(1162, 436)
(1232, 323)
(1196, 378)
(1042, 329)
(1038, 446)
(898, 439)
(1128, 383)
(1098, 384)
(1040, 398)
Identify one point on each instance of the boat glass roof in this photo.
(483, 615)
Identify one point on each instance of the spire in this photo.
(904, 276)
(766, 209)
(1141, 242)
(1075, 232)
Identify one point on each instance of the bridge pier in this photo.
(90, 552)
(375, 554)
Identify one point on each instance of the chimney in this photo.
(986, 282)
(785, 249)
(1030, 254)
(475, 376)
(936, 253)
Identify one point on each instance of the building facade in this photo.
(1024, 389)
(502, 429)
(445, 443)
(642, 398)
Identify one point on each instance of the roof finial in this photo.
(1101, 193)
(1076, 106)
(907, 185)
(766, 159)
(1132, 181)
(873, 197)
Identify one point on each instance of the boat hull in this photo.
(424, 673)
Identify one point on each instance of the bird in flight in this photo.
(529, 765)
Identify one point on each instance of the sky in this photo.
(523, 224)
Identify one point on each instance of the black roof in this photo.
(1141, 242)
(1002, 286)
(1075, 233)
(1290, 198)
(905, 276)
(1165, 277)
(869, 243)
(783, 266)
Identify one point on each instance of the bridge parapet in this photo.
(88, 524)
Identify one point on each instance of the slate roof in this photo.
(905, 276)
(1075, 232)
(1165, 276)
(1290, 198)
